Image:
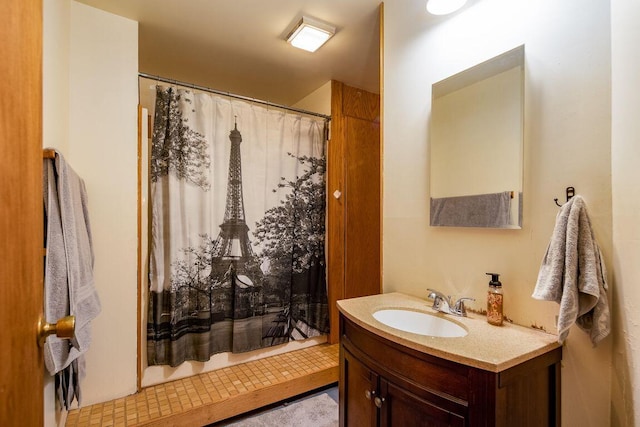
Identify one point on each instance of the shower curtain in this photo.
(237, 227)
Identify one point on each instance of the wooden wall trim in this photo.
(139, 367)
(335, 210)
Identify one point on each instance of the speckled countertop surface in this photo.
(492, 348)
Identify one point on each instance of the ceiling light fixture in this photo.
(309, 34)
(444, 7)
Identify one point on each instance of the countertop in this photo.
(488, 347)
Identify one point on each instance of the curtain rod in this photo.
(231, 95)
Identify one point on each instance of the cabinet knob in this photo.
(378, 401)
(369, 393)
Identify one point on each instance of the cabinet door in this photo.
(399, 407)
(358, 389)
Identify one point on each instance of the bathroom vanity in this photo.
(492, 376)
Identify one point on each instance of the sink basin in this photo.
(419, 323)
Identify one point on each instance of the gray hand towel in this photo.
(573, 274)
(479, 210)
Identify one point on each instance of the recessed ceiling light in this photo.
(309, 34)
(444, 7)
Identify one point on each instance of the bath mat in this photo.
(316, 411)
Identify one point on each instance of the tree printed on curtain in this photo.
(176, 147)
(237, 250)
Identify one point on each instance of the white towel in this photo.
(573, 274)
(69, 284)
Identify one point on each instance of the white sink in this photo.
(419, 323)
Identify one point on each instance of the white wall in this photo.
(567, 143)
(90, 112)
(55, 76)
(103, 150)
(318, 101)
(625, 153)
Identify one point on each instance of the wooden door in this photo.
(354, 206)
(21, 241)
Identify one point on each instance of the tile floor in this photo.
(170, 401)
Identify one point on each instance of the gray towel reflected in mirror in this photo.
(480, 210)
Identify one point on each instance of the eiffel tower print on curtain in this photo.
(222, 279)
(236, 278)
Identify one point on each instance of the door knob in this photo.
(63, 328)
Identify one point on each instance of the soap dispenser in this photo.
(494, 300)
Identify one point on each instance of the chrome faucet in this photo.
(444, 303)
(459, 309)
(441, 302)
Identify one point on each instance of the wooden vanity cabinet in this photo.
(386, 384)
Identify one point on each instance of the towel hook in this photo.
(570, 192)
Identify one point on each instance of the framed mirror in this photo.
(476, 145)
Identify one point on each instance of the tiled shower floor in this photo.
(216, 395)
